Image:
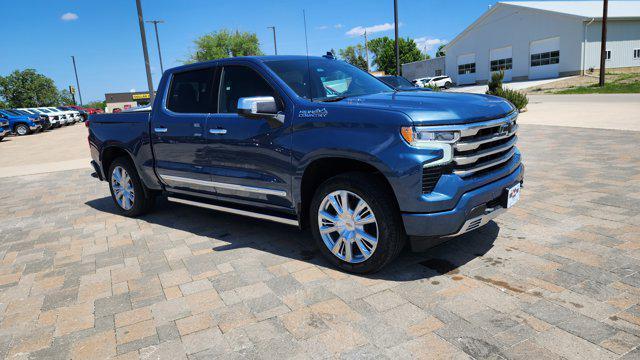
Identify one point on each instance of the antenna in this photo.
(306, 42)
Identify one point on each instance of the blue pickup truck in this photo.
(315, 143)
(21, 124)
(4, 128)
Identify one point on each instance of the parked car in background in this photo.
(400, 83)
(83, 114)
(364, 167)
(439, 81)
(89, 111)
(21, 124)
(64, 119)
(4, 128)
(44, 119)
(55, 120)
(138, 108)
(72, 116)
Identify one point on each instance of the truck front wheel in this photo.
(22, 129)
(127, 190)
(355, 223)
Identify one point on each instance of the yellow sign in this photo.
(140, 96)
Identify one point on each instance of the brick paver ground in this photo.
(558, 276)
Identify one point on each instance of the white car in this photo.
(439, 81)
(72, 116)
(65, 119)
(53, 119)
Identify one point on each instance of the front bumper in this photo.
(35, 127)
(474, 209)
(3, 131)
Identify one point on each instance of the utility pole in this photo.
(73, 58)
(603, 42)
(395, 17)
(275, 45)
(366, 48)
(143, 37)
(155, 25)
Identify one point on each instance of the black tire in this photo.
(447, 85)
(1, 138)
(144, 198)
(21, 130)
(391, 235)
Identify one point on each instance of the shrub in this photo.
(433, 87)
(496, 82)
(518, 99)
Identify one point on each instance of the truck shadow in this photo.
(223, 232)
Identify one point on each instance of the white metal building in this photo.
(544, 39)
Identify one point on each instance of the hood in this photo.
(435, 108)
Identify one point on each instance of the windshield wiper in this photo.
(332, 99)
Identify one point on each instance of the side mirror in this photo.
(259, 107)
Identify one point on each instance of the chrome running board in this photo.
(256, 215)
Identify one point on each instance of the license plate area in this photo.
(512, 195)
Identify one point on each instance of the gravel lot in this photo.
(558, 276)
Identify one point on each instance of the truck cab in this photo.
(21, 124)
(316, 143)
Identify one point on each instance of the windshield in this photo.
(330, 79)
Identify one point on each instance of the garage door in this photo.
(502, 59)
(544, 59)
(467, 69)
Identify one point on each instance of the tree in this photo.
(440, 52)
(28, 89)
(65, 97)
(2, 104)
(223, 44)
(384, 53)
(355, 55)
(96, 104)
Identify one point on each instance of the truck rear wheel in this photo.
(355, 223)
(127, 190)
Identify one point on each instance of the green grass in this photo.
(608, 88)
(615, 84)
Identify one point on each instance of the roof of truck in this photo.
(249, 58)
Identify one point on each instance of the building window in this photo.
(439, 72)
(467, 69)
(607, 55)
(636, 53)
(502, 64)
(546, 58)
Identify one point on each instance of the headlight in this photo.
(426, 138)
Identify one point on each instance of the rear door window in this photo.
(192, 92)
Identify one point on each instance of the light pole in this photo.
(603, 43)
(73, 58)
(275, 45)
(143, 37)
(395, 18)
(366, 48)
(155, 25)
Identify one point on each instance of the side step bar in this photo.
(256, 215)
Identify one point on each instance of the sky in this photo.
(104, 36)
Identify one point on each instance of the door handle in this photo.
(218, 131)
(160, 129)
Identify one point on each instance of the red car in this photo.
(90, 111)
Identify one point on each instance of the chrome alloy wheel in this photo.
(348, 226)
(122, 188)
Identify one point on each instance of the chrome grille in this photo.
(486, 145)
